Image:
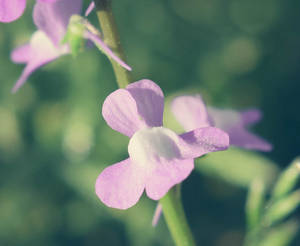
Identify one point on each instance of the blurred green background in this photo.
(54, 143)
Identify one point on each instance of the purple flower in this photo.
(52, 21)
(191, 113)
(45, 45)
(158, 157)
(11, 10)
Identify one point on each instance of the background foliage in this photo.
(54, 142)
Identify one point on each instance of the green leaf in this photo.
(255, 203)
(282, 208)
(281, 235)
(238, 167)
(287, 180)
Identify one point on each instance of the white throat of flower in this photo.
(40, 40)
(152, 145)
(224, 119)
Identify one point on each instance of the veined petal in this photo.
(242, 138)
(98, 42)
(203, 140)
(90, 8)
(251, 116)
(190, 111)
(166, 174)
(150, 101)
(21, 54)
(42, 51)
(120, 185)
(53, 18)
(11, 10)
(120, 113)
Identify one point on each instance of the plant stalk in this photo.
(112, 39)
(176, 220)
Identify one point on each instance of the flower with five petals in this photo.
(192, 113)
(158, 157)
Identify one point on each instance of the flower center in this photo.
(224, 119)
(152, 145)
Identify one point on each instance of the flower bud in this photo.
(74, 36)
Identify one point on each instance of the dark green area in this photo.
(54, 143)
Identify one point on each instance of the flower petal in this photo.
(120, 113)
(48, 1)
(98, 42)
(167, 174)
(234, 124)
(242, 138)
(152, 145)
(53, 18)
(157, 214)
(251, 116)
(156, 150)
(90, 8)
(224, 118)
(202, 141)
(21, 54)
(150, 101)
(11, 10)
(190, 111)
(120, 185)
(41, 52)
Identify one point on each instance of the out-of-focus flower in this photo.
(191, 113)
(158, 157)
(46, 43)
(11, 10)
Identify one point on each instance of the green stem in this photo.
(176, 220)
(171, 202)
(112, 39)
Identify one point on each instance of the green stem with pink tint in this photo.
(176, 219)
(112, 39)
(171, 203)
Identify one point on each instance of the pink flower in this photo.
(191, 113)
(158, 157)
(11, 10)
(45, 45)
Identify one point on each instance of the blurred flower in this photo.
(44, 46)
(158, 157)
(52, 40)
(191, 113)
(11, 10)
